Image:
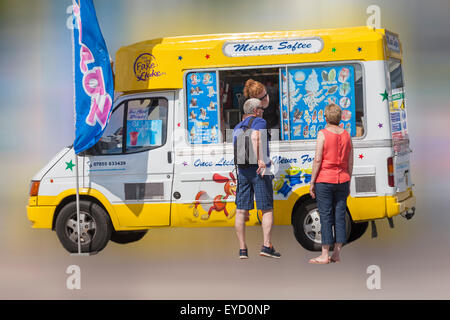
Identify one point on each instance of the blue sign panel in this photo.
(203, 115)
(310, 90)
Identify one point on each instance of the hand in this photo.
(261, 168)
(312, 190)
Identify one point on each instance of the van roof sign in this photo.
(272, 47)
(160, 64)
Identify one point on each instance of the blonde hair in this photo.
(333, 114)
(253, 88)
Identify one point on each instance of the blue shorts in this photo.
(252, 185)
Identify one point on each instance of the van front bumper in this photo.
(41, 216)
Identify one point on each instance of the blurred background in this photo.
(37, 121)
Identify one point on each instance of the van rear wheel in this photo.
(95, 227)
(306, 224)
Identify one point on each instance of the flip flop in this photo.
(315, 261)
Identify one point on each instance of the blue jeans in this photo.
(332, 205)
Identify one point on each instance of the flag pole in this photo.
(78, 203)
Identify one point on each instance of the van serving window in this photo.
(232, 97)
(202, 107)
(306, 91)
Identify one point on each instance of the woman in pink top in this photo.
(330, 182)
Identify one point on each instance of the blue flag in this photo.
(93, 77)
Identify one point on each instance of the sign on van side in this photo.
(272, 47)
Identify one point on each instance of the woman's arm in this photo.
(317, 163)
(350, 163)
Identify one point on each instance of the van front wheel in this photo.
(95, 227)
(306, 224)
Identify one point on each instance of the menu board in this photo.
(310, 90)
(141, 131)
(202, 107)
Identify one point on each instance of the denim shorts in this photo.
(332, 204)
(252, 185)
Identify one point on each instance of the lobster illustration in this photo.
(219, 202)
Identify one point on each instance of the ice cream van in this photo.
(166, 157)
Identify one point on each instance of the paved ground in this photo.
(202, 264)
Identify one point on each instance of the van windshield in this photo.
(396, 74)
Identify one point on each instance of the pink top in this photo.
(336, 150)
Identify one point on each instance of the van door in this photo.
(399, 126)
(132, 163)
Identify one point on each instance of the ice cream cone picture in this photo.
(202, 114)
(320, 116)
(344, 89)
(331, 76)
(306, 131)
(312, 131)
(194, 79)
(324, 76)
(343, 75)
(346, 115)
(314, 116)
(348, 127)
(213, 134)
(211, 91)
(298, 115)
(307, 117)
(297, 130)
(331, 100)
(207, 78)
(344, 102)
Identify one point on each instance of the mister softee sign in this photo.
(272, 47)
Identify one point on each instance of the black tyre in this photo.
(358, 230)
(124, 237)
(95, 227)
(306, 224)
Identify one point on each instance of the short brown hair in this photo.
(333, 114)
(253, 88)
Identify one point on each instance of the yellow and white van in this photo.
(166, 157)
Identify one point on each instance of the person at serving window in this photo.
(255, 89)
(330, 183)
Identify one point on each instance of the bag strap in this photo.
(249, 125)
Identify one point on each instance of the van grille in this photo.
(365, 184)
